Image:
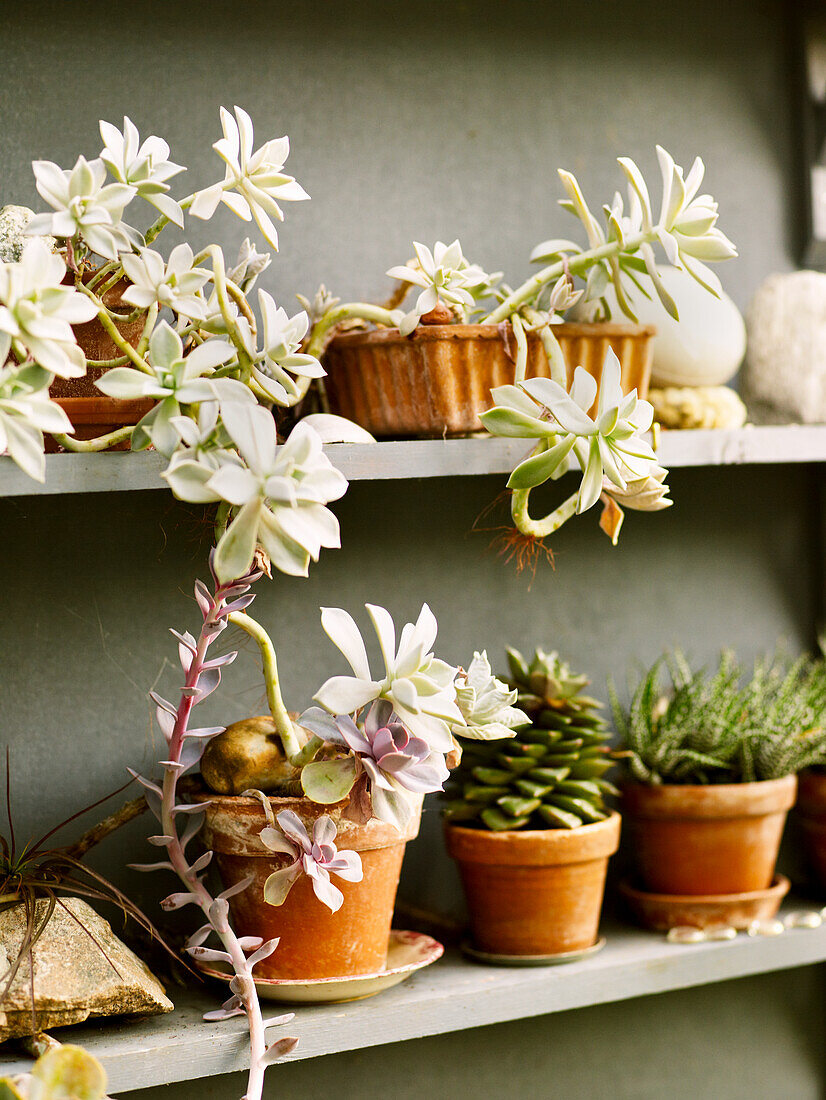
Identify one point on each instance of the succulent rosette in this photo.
(317, 858)
(392, 763)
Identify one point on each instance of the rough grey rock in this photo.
(785, 367)
(13, 222)
(81, 970)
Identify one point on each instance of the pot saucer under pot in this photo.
(491, 959)
(661, 912)
(407, 952)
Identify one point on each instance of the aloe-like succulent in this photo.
(550, 774)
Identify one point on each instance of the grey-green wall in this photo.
(423, 120)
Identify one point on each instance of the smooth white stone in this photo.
(684, 933)
(721, 932)
(766, 928)
(786, 362)
(704, 348)
(804, 918)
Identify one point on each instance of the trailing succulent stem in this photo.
(550, 774)
(184, 749)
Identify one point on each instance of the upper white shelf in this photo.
(116, 472)
(449, 996)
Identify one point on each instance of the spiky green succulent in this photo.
(550, 774)
(731, 725)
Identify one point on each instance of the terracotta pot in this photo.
(715, 839)
(811, 815)
(91, 413)
(315, 943)
(537, 892)
(436, 381)
(95, 416)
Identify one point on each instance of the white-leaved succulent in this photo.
(37, 311)
(445, 276)
(26, 412)
(85, 205)
(486, 703)
(278, 493)
(255, 181)
(282, 356)
(607, 444)
(419, 685)
(177, 380)
(145, 166)
(175, 284)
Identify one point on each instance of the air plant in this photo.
(40, 871)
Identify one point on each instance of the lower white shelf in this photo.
(118, 472)
(452, 995)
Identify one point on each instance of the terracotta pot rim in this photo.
(689, 801)
(430, 333)
(535, 847)
(780, 886)
(239, 816)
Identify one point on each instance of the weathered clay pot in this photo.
(437, 381)
(92, 414)
(537, 892)
(713, 839)
(315, 943)
(811, 815)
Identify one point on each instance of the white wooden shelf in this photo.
(451, 995)
(118, 472)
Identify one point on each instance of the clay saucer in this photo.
(407, 952)
(663, 911)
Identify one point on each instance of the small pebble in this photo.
(805, 918)
(721, 932)
(766, 928)
(684, 933)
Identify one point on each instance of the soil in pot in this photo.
(534, 892)
(700, 840)
(811, 817)
(437, 381)
(315, 943)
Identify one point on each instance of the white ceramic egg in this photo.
(705, 347)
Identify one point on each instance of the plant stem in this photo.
(556, 359)
(111, 328)
(575, 265)
(540, 528)
(283, 722)
(365, 312)
(163, 221)
(89, 446)
(244, 980)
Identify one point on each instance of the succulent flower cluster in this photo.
(550, 773)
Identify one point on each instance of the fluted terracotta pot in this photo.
(537, 892)
(92, 413)
(315, 943)
(437, 380)
(710, 839)
(811, 815)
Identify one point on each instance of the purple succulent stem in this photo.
(245, 985)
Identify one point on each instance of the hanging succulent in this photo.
(549, 774)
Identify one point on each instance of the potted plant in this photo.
(811, 792)
(430, 371)
(527, 822)
(150, 347)
(711, 772)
